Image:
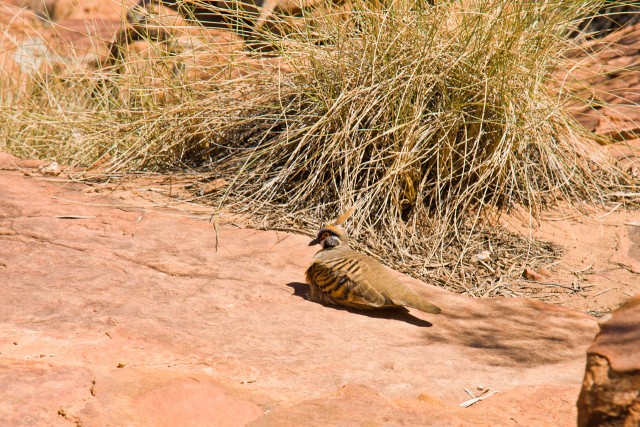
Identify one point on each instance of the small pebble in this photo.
(52, 168)
(545, 271)
(530, 274)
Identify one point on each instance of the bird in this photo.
(339, 275)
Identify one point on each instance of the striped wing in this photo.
(342, 280)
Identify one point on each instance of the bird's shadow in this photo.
(402, 314)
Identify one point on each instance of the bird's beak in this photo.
(314, 242)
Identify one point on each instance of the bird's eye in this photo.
(324, 235)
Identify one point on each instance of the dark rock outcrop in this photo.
(610, 393)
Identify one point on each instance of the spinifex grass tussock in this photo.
(427, 118)
(430, 119)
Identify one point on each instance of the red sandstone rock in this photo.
(22, 51)
(607, 71)
(95, 280)
(91, 10)
(60, 10)
(610, 393)
(31, 49)
(619, 338)
(360, 405)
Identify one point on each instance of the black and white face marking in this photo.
(326, 239)
(330, 241)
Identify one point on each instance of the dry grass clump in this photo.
(428, 119)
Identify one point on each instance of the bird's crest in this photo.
(345, 216)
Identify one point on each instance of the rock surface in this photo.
(88, 40)
(61, 10)
(598, 270)
(610, 393)
(605, 78)
(32, 48)
(115, 310)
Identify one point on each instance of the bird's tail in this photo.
(422, 304)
